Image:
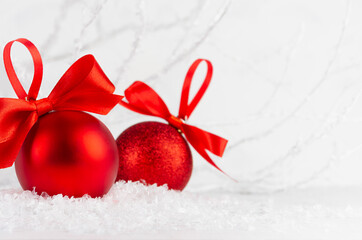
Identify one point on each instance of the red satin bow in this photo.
(83, 87)
(143, 99)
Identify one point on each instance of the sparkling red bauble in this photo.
(70, 153)
(154, 152)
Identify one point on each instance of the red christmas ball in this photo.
(154, 152)
(68, 152)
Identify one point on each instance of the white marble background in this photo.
(286, 89)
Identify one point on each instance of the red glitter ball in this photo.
(68, 152)
(154, 152)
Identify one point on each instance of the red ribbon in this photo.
(143, 99)
(83, 87)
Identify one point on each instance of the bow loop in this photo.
(185, 108)
(143, 99)
(83, 87)
(38, 70)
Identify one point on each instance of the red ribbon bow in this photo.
(83, 87)
(143, 99)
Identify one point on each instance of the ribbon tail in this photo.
(10, 148)
(202, 141)
(17, 117)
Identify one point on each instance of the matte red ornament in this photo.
(70, 153)
(155, 153)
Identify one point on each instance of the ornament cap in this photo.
(175, 122)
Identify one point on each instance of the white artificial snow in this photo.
(132, 209)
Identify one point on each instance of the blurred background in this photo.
(286, 89)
